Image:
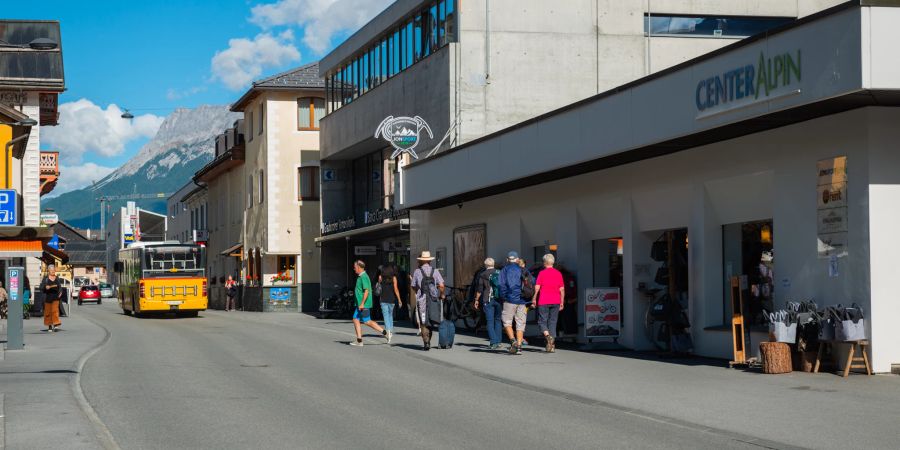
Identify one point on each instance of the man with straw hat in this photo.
(429, 287)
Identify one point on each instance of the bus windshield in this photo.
(174, 260)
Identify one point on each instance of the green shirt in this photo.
(363, 283)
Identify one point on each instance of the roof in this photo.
(303, 77)
(24, 67)
(81, 250)
(10, 114)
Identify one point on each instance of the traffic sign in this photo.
(9, 207)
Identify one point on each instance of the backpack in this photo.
(494, 282)
(527, 285)
(434, 313)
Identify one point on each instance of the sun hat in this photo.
(425, 256)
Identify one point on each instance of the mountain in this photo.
(184, 143)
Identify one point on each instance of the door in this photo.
(469, 252)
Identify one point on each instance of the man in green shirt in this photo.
(362, 315)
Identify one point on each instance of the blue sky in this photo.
(154, 56)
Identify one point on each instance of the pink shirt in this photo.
(550, 280)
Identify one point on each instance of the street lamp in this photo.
(127, 115)
(36, 44)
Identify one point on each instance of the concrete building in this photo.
(468, 69)
(31, 79)
(128, 225)
(771, 159)
(188, 214)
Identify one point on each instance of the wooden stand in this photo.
(776, 357)
(853, 362)
(737, 324)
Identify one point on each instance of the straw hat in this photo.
(425, 256)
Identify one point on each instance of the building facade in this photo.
(188, 211)
(768, 164)
(129, 225)
(87, 257)
(468, 69)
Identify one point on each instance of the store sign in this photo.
(337, 226)
(9, 207)
(49, 218)
(831, 208)
(365, 250)
(403, 133)
(602, 312)
(13, 98)
(129, 238)
(385, 214)
(750, 81)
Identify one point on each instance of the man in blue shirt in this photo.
(514, 306)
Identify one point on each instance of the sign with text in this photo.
(280, 295)
(9, 207)
(365, 250)
(831, 207)
(602, 312)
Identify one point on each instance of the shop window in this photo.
(310, 111)
(308, 183)
(608, 257)
(747, 251)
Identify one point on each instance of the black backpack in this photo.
(434, 313)
(527, 285)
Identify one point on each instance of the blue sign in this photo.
(280, 294)
(9, 207)
(14, 281)
(54, 241)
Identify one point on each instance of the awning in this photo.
(19, 248)
(363, 230)
(234, 250)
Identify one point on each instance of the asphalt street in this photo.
(231, 380)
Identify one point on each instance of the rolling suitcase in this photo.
(446, 334)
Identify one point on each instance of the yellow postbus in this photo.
(162, 277)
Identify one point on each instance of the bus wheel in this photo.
(134, 310)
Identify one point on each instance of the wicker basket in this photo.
(776, 357)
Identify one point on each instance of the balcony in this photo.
(49, 167)
(229, 153)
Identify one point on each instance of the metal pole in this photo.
(15, 276)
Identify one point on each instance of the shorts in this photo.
(363, 315)
(512, 311)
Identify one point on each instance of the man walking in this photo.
(429, 287)
(487, 296)
(514, 306)
(363, 313)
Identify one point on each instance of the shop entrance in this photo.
(469, 253)
(666, 322)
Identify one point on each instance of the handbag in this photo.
(378, 289)
(850, 326)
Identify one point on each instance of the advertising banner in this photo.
(831, 208)
(602, 312)
(280, 294)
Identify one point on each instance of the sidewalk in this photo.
(800, 409)
(36, 387)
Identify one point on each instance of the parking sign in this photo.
(9, 207)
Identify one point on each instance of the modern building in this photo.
(188, 214)
(468, 69)
(129, 225)
(772, 160)
(31, 78)
(263, 194)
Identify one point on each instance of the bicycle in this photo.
(465, 308)
(662, 313)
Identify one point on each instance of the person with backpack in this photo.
(390, 296)
(549, 295)
(514, 285)
(487, 296)
(363, 312)
(230, 293)
(428, 285)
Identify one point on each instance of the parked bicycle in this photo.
(337, 306)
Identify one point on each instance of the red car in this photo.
(89, 293)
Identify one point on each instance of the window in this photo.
(262, 117)
(747, 251)
(310, 111)
(250, 191)
(262, 187)
(308, 183)
(250, 125)
(287, 264)
(725, 26)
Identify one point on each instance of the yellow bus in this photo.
(162, 277)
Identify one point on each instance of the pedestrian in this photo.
(230, 293)
(390, 297)
(26, 299)
(363, 312)
(429, 288)
(50, 287)
(514, 306)
(487, 297)
(4, 302)
(549, 293)
(527, 280)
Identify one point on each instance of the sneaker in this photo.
(418, 332)
(356, 344)
(495, 346)
(47, 330)
(524, 341)
(519, 349)
(550, 344)
(426, 347)
(512, 348)
(389, 336)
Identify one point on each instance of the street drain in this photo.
(254, 365)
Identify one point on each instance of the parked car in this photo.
(89, 293)
(106, 291)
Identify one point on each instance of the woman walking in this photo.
(50, 287)
(390, 296)
(230, 293)
(549, 292)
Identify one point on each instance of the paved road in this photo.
(231, 380)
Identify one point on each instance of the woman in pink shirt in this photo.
(549, 292)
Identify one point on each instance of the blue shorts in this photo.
(363, 315)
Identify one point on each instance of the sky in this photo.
(153, 56)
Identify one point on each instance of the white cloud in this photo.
(176, 94)
(78, 176)
(244, 60)
(320, 20)
(85, 127)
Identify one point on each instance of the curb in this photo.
(100, 430)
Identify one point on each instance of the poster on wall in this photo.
(279, 295)
(831, 208)
(602, 312)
